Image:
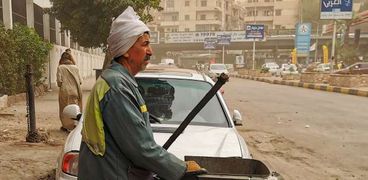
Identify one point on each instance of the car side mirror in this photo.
(237, 118)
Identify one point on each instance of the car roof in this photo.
(154, 70)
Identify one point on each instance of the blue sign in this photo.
(302, 38)
(336, 9)
(224, 39)
(210, 43)
(254, 31)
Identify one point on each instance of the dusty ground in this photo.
(22, 160)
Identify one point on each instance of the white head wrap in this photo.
(124, 32)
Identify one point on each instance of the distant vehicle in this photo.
(356, 68)
(218, 69)
(272, 67)
(167, 61)
(288, 69)
(323, 67)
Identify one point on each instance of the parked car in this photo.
(272, 67)
(170, 94)
(356, 68)
(323, 67)
(218, 69)
(288, 69)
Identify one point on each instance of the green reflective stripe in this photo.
(93, 131)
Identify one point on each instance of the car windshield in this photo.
(167, 99)
(217, 67)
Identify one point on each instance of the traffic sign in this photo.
(302, 39)
(254, 31)
(336, 9)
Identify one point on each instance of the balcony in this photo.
(259, 4)
(207, 21)
(208, 9)
(258, 18)
(169, 23)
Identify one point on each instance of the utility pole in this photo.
(254, 40)
(316, 50)
(333, 46)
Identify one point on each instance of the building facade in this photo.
(274, 14)
(198, 15)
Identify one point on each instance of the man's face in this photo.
(139, 54)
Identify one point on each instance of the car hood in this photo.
(195, 140)
(204, 141)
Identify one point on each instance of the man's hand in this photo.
(193, 168)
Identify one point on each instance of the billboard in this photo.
(224, 39)
(336, 9)
(302, 38)
(254, 31)
(210, 43)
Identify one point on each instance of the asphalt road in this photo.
(303, 133)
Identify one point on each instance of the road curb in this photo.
(321, 87)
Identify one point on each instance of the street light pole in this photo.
(254, 40)
(333, 46)
(316, 50)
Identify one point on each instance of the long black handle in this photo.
(221, 80)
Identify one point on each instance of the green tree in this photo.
(18, 47)
(89, 20)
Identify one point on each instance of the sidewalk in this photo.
(361, 91)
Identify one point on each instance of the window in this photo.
(186, 29)
(174, 18)
(202, 17)
(187, 17)
(278, 12)
(268, 12)
(252, 13)
(203, 3)
(278, 0)
(170, 3)
(187, 3)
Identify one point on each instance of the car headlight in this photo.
(70, 163)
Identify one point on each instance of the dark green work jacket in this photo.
(117, 134)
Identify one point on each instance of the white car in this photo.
(218, 69)
(272, 67)
(288, 69)
(323, 67)
(170, 94)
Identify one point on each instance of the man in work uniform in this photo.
(117, 139)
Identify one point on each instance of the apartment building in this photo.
(274, 14)
(198, 15)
